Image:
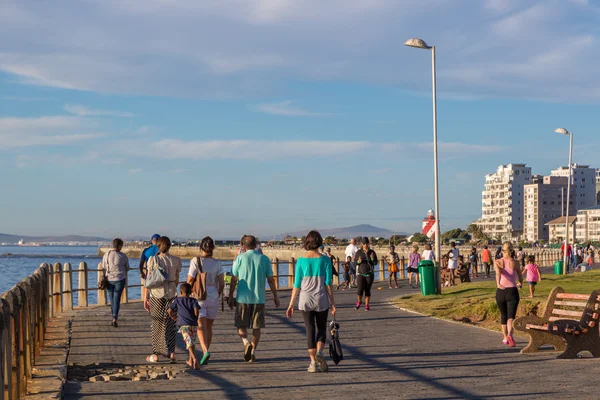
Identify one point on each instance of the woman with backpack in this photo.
(365, 259)
(158, 299)
(208, 298)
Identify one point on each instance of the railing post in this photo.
(402, 261)
(67, 288)
(124, 296)
(6, 347)
(82, 285)
(381, 269)
(291, 273)
(50, 291)
(57, 285)
(275, 266)
(101, 294)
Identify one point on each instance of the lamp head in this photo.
(416, 42)
(562, 131)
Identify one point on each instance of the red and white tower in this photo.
(429, 225)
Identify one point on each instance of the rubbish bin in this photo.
(427, 275)
(558, 267)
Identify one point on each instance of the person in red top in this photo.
(486, 255)
(569, 254)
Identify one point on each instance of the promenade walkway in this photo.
(390, 354)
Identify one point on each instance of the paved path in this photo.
(390, 354)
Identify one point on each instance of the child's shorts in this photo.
(531, 283)
(346, 277)
(189, 335)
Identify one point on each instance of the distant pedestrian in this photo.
(347, 279)
(334, 270)
(313, 281)
(350, 251)
(486, 259)
(251, 271)
(157, 301)
(498, 255)
(533, 275)
(453, 261)
(508, 282)
(428, 253)
(185, 309)
(474, 262)
(413, 266)
(521, 257)
(115, 265)
(365, 259)
(569, 255)
(215, 282)
(393, 262)
(148, 252)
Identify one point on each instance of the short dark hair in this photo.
(485, 246)
(185, 288)
(453, 244)
(207, 245)
(117, 243)
(364, 240)
(313, 241)
(531, 258)
(164, 244)
(249, 242)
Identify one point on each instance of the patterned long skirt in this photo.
(164, 329)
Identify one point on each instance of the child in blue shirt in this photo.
(185, 309)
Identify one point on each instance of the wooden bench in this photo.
(569, 324)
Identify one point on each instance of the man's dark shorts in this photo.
(250, 316)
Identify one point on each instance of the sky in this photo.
(225, 117)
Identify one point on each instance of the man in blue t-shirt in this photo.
(251, 271)
(148, 252)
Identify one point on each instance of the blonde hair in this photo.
(507, 248)
(415, 247)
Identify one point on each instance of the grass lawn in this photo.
(475, 303)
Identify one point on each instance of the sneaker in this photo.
(252, 358)
(323, 367)
(367, 308)
(248, 351)
(504, 341)
(312, 368)
(357, 305)
(205, 358)
(511, 341)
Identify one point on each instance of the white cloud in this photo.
(45, 131)
(258, 150)
(285, 108)
(483, 46)
(135, 171)
(83, 111)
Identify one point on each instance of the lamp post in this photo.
(420, 44)
(563, 131)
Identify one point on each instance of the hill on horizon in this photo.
(348, 232)
(14, 239)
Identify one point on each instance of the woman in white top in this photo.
(428, 254)
(115, 265)
(214, 287)
(157, 301)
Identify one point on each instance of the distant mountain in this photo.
(14, 239)
(348, 232)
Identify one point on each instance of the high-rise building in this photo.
(545, 201)
(583, 182)
(502, 202)
(598, 187)
(588, 224)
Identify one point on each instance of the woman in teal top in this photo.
(313, 281)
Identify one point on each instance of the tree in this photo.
(477, 233)
(419, 238)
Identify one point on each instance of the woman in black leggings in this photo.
(313, 280)
(365, 259)
(507, 292)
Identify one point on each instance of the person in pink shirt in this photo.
(533, 274)
(508, 281)
(413, 266)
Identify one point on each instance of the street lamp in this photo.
(420, 44)
(563, 131)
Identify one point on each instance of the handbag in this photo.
(103, 282)
(335, 348)
(199, 283)
(157, 277)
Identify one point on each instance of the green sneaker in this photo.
(205, 358)
(322, 363)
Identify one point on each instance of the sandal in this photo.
(152, 359)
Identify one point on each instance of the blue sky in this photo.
(229, 117)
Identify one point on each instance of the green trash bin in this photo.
(558, 267)
(427, 275)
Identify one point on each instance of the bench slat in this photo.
(538, 327)
(570, 303)
(552, 319)
(572, 296)
(558, 311)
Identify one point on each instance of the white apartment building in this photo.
(588, 224)
(502, 202)
(598, 187)
(557, 230)
(545, 200)
(584, 182)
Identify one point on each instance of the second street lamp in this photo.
(563, 131)
(420, 44)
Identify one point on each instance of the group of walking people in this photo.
(193, 313)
